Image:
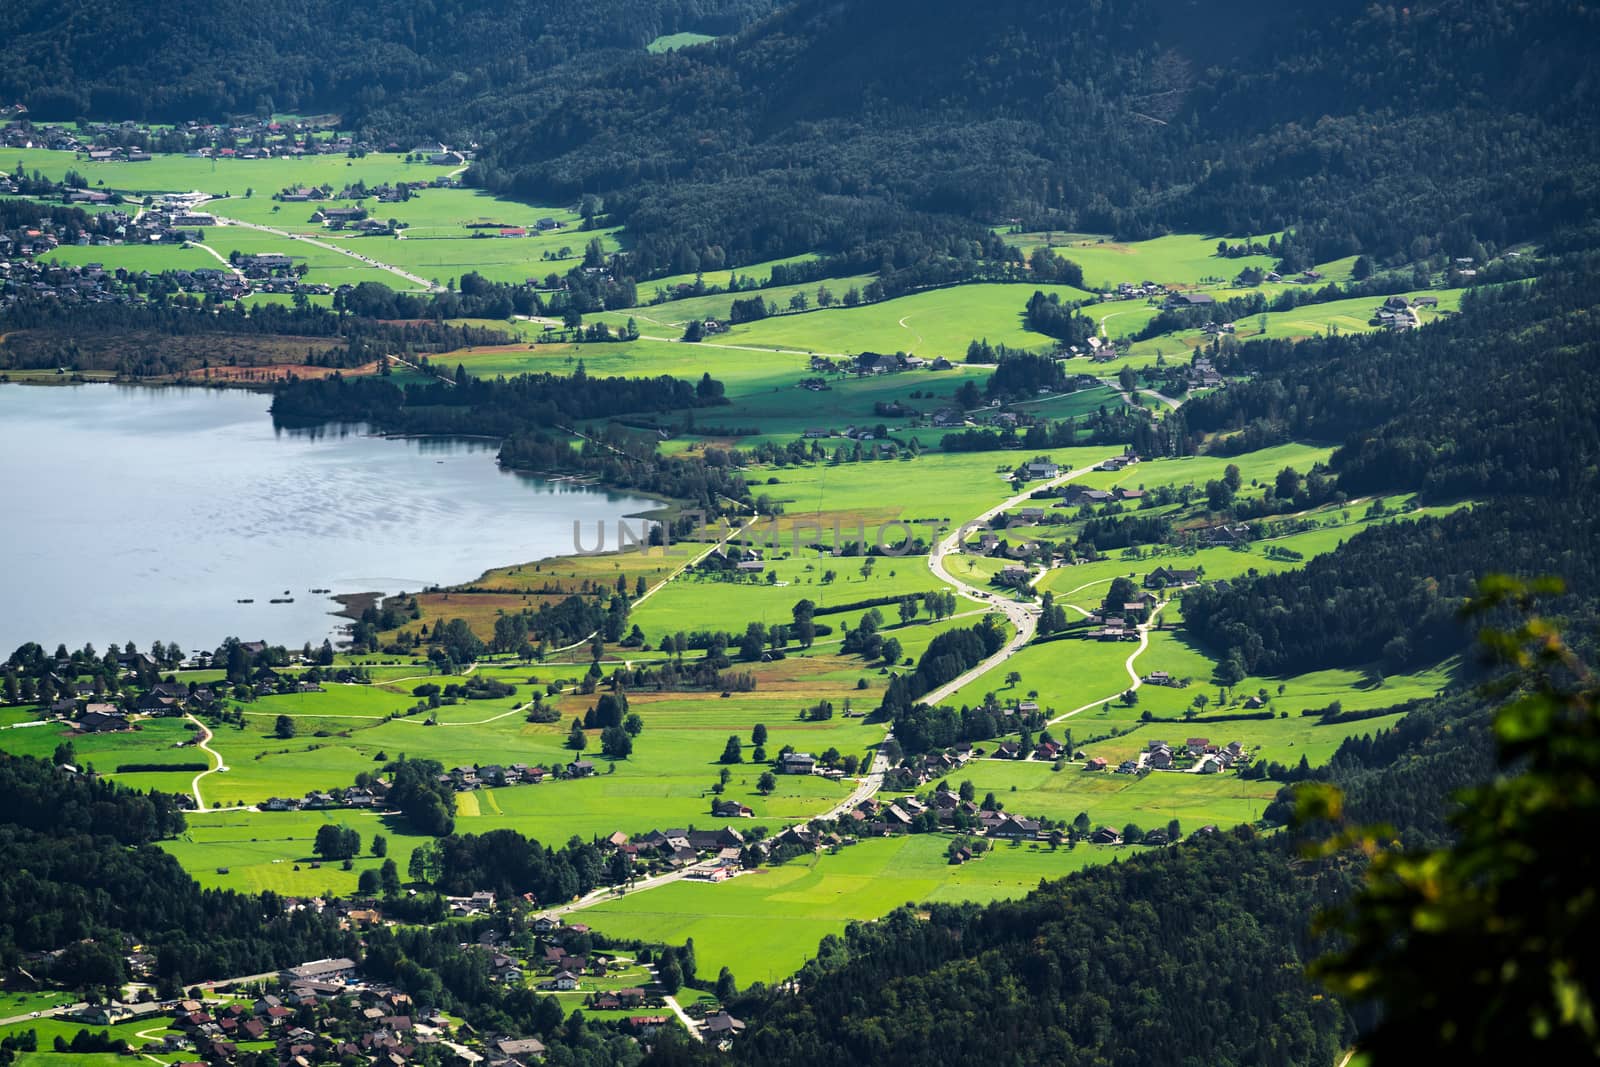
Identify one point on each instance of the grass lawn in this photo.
(49, 1029)
(693, 603)
(766, 924)
(741, 373)
(944, 489)
(22, 1003)
(668, 319)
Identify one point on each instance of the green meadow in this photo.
(153, 258)
(1353, 315)
(695, 601)
(1032, 788)
(220, 177)
(327, 266)
(1177, 259)
(670, 318)
(761, 272)
(671, 42)
(765, 924)
(742, 373)
(937, 322)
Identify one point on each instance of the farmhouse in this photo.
(1228, 533)
(95, 721)
(1162, 577)
(1014, 576)
(797, 763)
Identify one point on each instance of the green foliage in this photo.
(1478, 948)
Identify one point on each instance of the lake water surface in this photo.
(143, 514)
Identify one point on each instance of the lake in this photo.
(144, 514)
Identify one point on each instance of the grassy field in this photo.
(220, 177)
(938, 322)
(1032, 788)
(671, 42)
(669, 319)
(761, 272)
(766, 924)
(693, 602)
(1177, 259)
(1310, 320)
(153, 258)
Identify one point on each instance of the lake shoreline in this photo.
(307, 511)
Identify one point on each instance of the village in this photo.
(331, 1010)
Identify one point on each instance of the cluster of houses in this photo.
(731, 559)
(1164, 577)
(176, 219)
(1144, 290)
(1224, 535)
(712, 855)
(458, 779)
(261, 138)
(1200, 753)
(320, 1012)
(872, 818)
(92, 713)
(1075, 496)
(133, 142)
(1397, 313)
(1121, 622)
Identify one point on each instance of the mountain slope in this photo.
(187, 60)
(1373, 125)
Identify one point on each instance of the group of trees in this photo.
(479, 405)
(948, 655)
(73, 844)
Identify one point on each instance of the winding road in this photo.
(202, 741)
(1024, 616)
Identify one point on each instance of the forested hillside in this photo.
(188, 60)
(1496, 405)
(82, 873)
(839, 125)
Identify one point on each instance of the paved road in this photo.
(423, 283)
(1127, 665)
(1154, 394)
(45, 1013)
(203, 742)
(1023, 615)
